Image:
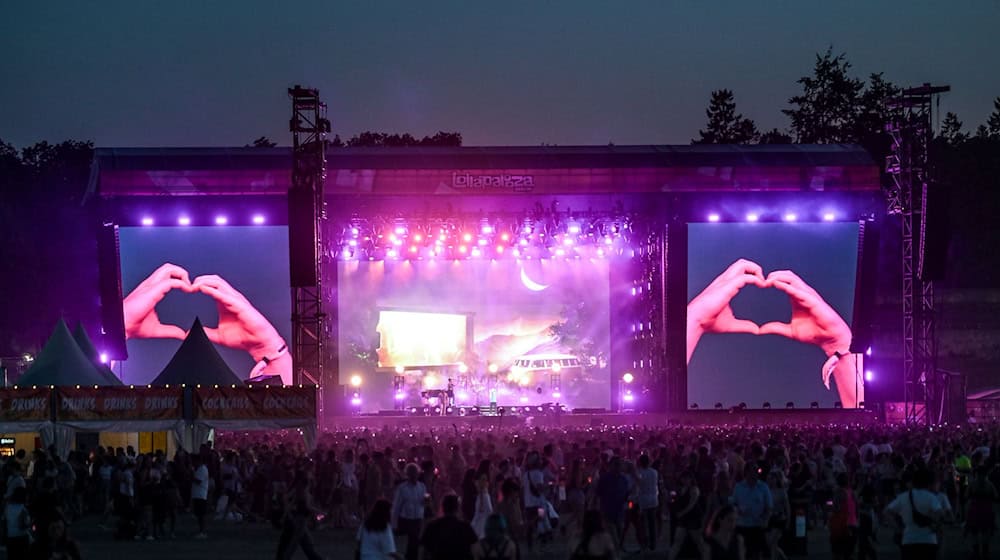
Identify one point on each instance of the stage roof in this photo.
(488, 170)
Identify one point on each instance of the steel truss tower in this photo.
(309, 127)
(908, 168)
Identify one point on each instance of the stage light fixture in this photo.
(258, 219)
(628, 377)
(868, 352)
(814, 404)
(838, 404)
(713, 217)
(462, 368)
(767, 405)
(694, 406)
(791, 217)
(184, 221)
(437, 410)
(400, 395)
(629, 397)
(449, 410)
(718, 406)
(789, 404)
(400, 370)
(461, 396)
(505, 237)
(486, 229)
(600, 252)
(752, 217)
(493, 368)
(476, 252)
(147, 221)
(556, 395)
(355, 381)
(103, 357)
(467, 237)
(742, 406)
(829, 217)
(391, 253)
(869, 375)
(221, 220)
(556, 367)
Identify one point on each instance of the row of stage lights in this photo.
(218, 220)
(446, 239)
(790, 217)
(767, 405)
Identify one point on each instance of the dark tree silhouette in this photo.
(263, 142)
(774, 136)
(827, 109)
(383, 139)
(725, 125)
(993, 122)
(951, 130)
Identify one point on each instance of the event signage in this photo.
(119, 403)
(242, 403)
(25, 404)
(517, 183)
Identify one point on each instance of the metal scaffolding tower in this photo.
(908, 168)
(309, 127)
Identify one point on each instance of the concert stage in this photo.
(748, 417)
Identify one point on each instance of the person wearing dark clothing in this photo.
(295, 526)
(58, 545)
(724, 543)
(612, 495)
(448, 537)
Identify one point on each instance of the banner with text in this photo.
(119, 403)
(24, 404)
(249, 403)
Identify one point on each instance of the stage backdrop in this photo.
(517, 322)
(730, 368)
(251, 263)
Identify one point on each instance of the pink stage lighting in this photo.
(791, 217)
(574, 229)
(556, 395)
(258, 219)
(487, 229)
(391, 253)
(221, 220)
(462, 396)
(829, 217)
(103, 357)
(184, 221)
(147, 221)
(356, 401)
(400, 395)
(713, 217)
(869, 351)
(467, 237)
(869, 375)
(752, 217)
(629, 397)
(476, 252)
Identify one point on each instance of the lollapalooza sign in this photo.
(518, 183)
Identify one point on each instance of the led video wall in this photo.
(769, 312)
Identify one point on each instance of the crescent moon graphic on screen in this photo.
(531, 284)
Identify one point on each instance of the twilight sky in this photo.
(127, 73)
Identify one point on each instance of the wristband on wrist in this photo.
(281, 352)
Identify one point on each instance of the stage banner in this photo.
(254, 403)
(119, 403)
(24, 404)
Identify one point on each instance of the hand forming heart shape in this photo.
(241, 325)
(812, 321)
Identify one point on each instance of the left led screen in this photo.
(235, 279)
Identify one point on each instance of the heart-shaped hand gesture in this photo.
(241, 326)
(711, 311)
(139, 307)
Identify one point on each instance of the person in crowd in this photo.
(754, 504)
(596, 543)
(18, 524)
(687, 516)
(448, 537)
(199, 494)
(612, 496)
(408, 510)
(375, 539)
(495, 543)
(483, 505)
(510, 507)
(780, 516)
(980, 519)
(299, 516)
(867, 524)
(648, 499)
(919, 510)
(843, 520)
(723, 540)
(57, 545)
(533, 488)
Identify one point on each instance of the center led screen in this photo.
(769, 314)
(519, 332)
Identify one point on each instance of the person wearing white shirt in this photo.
(648, 498)
(375, 540)
(919, 509)
(408, 510)
(199, 494)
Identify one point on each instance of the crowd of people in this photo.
(707, 492)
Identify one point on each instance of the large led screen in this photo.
(235, 279)
(769, 314)
(506, 331)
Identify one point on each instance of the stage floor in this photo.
(749, 417)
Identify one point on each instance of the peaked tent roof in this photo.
(197, 362)
(87, 346)
(61, 362)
